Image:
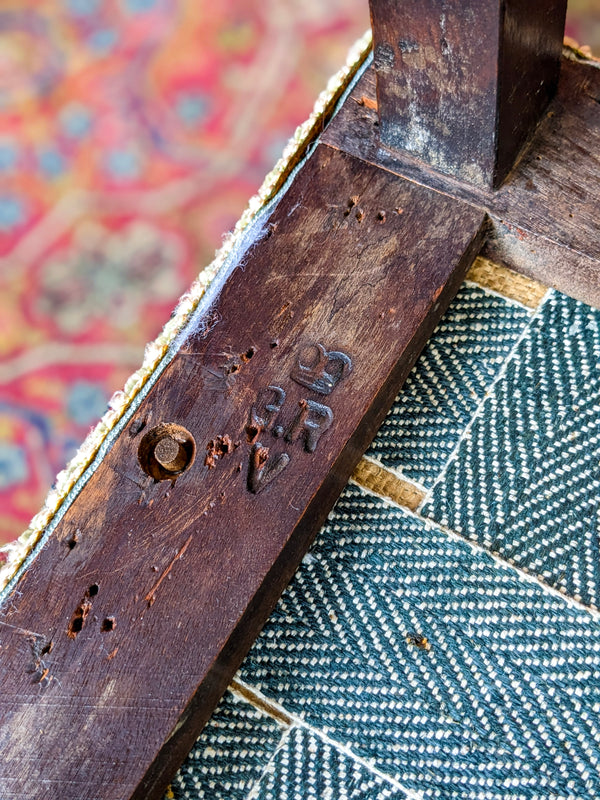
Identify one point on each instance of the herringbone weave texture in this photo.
(432, 654)
(450, 378)
(310, 768)
(525, 482)
(453, 673)
(230, 755)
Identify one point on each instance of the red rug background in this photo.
(132, 133)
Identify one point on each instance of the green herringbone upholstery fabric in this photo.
(453, 652)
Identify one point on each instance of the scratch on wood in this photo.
(151, 596)
(40, 646)
(23, 631)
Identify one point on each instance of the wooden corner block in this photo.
(463, 85)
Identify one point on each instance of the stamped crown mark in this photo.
(328, 369)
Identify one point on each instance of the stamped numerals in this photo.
(268, 404)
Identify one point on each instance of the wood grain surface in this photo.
(462, 85)
(121, 636)
(545, 216)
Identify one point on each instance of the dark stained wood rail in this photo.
(128, 626)
(462, 84)
(544, 217)
(118, 640)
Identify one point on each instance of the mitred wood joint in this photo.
(462, 84)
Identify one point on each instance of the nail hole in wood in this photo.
(138, 425)
(79, 617)
(108, 625)
(252, 433)
(166, 451)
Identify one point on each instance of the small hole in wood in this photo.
(166, 451)
(252, 432)
(79, 617)
(46, 649)
(137, 425)
(93, 590)
(108, 625)
(248, 354)
(72, 542)
(76, 626)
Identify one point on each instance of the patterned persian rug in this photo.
(132, 133)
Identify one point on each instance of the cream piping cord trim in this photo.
(189, 312)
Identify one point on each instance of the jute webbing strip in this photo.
(386, 484)
(506, 282)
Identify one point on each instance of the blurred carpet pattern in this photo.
(132, 133)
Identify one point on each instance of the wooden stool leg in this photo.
(461, 84)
